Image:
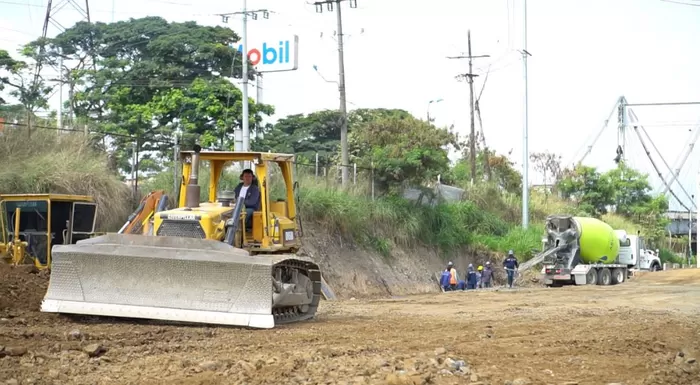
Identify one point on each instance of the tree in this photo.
(496, 169)
(591, 191)
(367, 115)
(631, 190)
(203, 111)
(318, 132)
(304, 135)
(623, 190)
(31, 92)
(138, 77)
(7, 65)
(401, 150)
(632, 199)
(549, 165)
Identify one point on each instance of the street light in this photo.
(431, 102)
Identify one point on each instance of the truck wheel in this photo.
(618, 276)
(604, 276)
(591, 277)
(655, 267)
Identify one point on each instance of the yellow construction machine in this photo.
(201, 264)
(141, 220)
(30, 224)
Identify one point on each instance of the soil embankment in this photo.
(354, 271)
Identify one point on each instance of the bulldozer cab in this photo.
(274, 220)
(30, 224)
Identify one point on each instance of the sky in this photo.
(584, 56)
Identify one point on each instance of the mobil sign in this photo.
(273, 55)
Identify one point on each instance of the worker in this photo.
(453, 276)
(511, 265)
(445, 280)
(486, 276)
(478, 276)
(471, 277)
(249, 190)
(462, 285)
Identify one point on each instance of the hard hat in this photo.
(510, 252)
(470, 265)
(449, 263)
(481, 268)
(488, 263)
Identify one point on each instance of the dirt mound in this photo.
(21, 289)
(671, 277)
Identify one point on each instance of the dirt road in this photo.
(646, 331)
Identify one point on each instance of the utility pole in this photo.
(258, 98)
(245, 126)
(133, 168)
(60, 94)
(526, 152)
(244, 78)
(470, 79)
(345, 158)
(176, 162)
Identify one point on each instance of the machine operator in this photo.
(250, 191)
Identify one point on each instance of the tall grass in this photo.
(51, 162)
(392, 221)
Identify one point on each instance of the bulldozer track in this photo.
(291, 314)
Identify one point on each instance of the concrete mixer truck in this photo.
(587, 251)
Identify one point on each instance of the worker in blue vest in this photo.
(445, 280)
(511, 265)
(471, 277)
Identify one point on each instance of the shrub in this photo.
(53, 162)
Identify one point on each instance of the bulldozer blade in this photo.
(161, 278)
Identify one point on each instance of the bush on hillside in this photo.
(60, 163)
(392, 220)
(668, 256)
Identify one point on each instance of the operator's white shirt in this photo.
(244, 190)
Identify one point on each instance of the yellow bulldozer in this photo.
(226, 261)
(30, 224)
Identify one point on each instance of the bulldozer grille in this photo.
(184, 229)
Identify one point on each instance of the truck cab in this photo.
(30, 224)
(635, 255)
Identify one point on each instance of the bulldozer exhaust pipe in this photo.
(193, 189)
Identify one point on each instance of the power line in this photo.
(345, 157)
(662, 104)
(681, 3)
(656, 168)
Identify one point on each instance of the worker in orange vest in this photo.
(453, 276)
